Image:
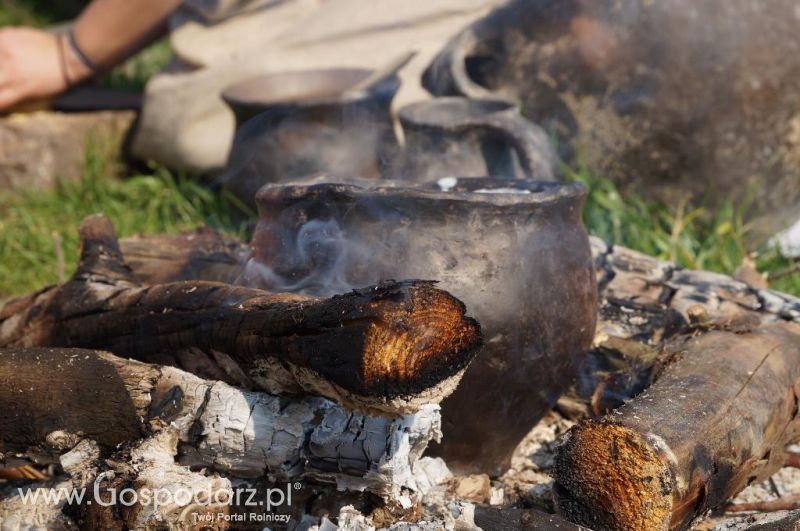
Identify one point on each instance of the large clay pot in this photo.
(460, 136)
(515, 252)
(295, 124)
(669, 98)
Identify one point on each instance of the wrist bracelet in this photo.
(62, 61)
(82, 57)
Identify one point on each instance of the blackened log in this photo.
(52, 399)
(389, 348)
(717, 419)
(203, 254)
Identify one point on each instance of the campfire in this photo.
(251, 389)
(419, 335)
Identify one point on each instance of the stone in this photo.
(788, 241)
(39, 149)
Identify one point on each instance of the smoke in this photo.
(317, 261)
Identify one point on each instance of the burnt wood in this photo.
(53, 399)
(717, 418)
(387, 348)
(203, 254)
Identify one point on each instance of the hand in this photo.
(31, 66)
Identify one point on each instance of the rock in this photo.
(38, 149)
(475, 488)
(788, 241)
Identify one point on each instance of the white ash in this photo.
(154, 461)
(254, 434)
(18, 514)
(431, 472)
(447, 183)
(502, 191)
(738, 522)
(530, 474)
(788, 241)
(452, 516)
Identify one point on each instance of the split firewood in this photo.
(644, 302)
(387, 349)
(716, 419)
(54, 398)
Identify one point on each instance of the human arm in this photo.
(37, 64)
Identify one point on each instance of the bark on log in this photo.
(716, 419)
(386, 349)
(200, 255)
(53, 398)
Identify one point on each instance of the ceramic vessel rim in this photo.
(545, 192)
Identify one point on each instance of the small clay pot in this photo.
(295, 124)
(460, 136)
(516, 253)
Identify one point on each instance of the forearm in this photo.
(109, 31)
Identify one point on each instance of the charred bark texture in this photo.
(200, 255)
(716, 419)
(389, 348)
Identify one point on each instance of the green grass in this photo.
(157, 203)
(38, 13)
(696, 237)
(134, 73)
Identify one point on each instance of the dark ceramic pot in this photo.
(300, 123)
(460, 136)
(515, 252)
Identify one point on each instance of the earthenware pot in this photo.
(460, 136)
(295, 124)
(515, 252)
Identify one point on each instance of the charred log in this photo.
(715, 420)
(389, 348)
(200, 255)
(55, 398)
